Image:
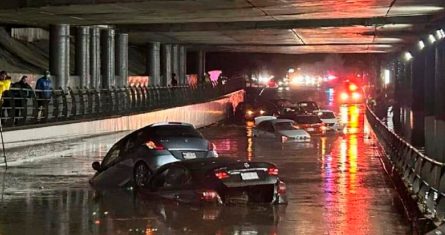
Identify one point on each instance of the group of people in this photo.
(16, 94)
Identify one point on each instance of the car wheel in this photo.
(141, 175)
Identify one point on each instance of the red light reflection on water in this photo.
(346, 211)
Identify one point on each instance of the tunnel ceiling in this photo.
(294, 27)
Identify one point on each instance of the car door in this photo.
(269, 131)
(117, 167)
(173, 183)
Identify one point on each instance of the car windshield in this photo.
(284, 126)
(307, 119)
(175, 131)
(308, 105)
(327, 115)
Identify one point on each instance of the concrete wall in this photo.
(200, 115)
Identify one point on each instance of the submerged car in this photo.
(134, 158)
(218, 181)
(246, 111)
(284, 130)
(309, 122)
(331, 121)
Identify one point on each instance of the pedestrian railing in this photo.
(26, 107)
(424, 177)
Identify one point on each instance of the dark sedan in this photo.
(133, 159)
(218, 181)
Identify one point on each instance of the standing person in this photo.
(22, 91)
(5, 82)
(43, 91)
(174, 80)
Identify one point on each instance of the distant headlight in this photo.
(262, 112)
(249, 112)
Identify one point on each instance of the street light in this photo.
(421, 45)
(431, 38)
(408, 56)
(386, 77)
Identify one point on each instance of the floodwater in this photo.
(335, 185)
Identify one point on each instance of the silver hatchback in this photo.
(134, 158)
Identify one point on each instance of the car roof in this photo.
(281, 121)
(170, 124)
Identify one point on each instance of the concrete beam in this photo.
(282, 24)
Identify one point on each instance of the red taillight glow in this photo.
(222, 174)
(272, 171)
(281, 188)
(209, 195)
(152, 145)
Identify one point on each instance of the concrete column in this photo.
(59, 61)
(439, 103)
(95, 58)
(182, 65)
(417, 94)
(201, 64)
(154, 63)
(167, 64)
(122, 60)
(107, 58)
(83, 55)
(175, 60)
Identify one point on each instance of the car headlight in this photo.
(249, 112)
(262, 112)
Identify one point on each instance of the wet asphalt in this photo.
(335, 185)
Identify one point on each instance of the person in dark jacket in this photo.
(43, 91)
(21, 91)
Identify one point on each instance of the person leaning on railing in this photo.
(5, 85)
(21, 91)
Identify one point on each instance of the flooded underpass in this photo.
(335, 185)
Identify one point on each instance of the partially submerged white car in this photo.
(329, 118)
(283, 130)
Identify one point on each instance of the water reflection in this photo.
(84, 211)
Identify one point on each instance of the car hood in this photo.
(293, 133)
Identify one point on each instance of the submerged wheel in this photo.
(141, 175)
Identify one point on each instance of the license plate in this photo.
(310, 129)
(249, 176)
(189, 155)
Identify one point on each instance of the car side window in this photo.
(269, 127)
(111, 157)
(171, 178)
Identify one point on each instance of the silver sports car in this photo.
(133, 159)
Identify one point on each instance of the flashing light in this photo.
(353, 87)
(356, 96)
(209, 195)
(421, 45)
(408, 56)
(344, 96)
(331, 77)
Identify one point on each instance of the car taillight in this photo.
(209, 196)
(272, 171)
(222, 174)
(281, 188)
(152, 145)
(211, 146)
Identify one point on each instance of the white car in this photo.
(283, 130)
(329, 118)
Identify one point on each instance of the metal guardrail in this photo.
(424, 177)
(26, 107)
